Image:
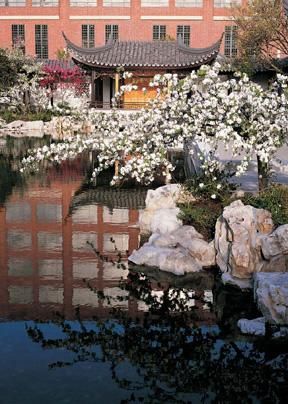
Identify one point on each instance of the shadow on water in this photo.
(171, 357)
(9, 178)
(12, 151)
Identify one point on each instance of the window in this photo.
(116, 3)
(83, 3)
(154, 3)
(41, 41)
(12, 3)
(226, 3)
(49, 213)
(159, 32)
(230, 45)
(111, 32)
(189, 3)
(18, 36)
(88, 36)
(45, 3)
(183, 31)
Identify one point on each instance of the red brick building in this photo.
(36, 25)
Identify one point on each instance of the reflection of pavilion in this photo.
(112, 198)
(44, 254)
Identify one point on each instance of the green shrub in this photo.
(274, 199)
(213, 183)
(202, 214)
(10, 116)
(212, 190)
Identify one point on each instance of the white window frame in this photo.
(154, 3)
(189, 3)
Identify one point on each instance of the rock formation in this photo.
(271, 295)
(181, 251)
(160, 214)
(238, 236)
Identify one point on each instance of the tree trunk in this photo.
(27, 100)
(263, 177)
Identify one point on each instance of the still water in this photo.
(78, 325)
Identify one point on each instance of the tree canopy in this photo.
(8, 74)
(262, 31)
(237, 114)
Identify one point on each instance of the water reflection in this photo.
(162, 356)
(46, 234)
(154, 338)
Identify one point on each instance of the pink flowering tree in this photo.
(61, 78)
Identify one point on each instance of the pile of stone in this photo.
(60, 127)
(271, 296)
(248, 249)
(23, 128)
(172, 247)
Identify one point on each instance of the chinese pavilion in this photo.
(143, 59)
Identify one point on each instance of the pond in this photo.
(78, 324)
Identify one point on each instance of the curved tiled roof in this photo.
(156, 54)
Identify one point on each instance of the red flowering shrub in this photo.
(72, 77)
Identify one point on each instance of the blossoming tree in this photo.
(65, 80)
(22, 91)
(236, 114)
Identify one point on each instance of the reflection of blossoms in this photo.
(236, 113)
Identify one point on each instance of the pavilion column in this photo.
(116, 82)
(93, 94)
(117, 79)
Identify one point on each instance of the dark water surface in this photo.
(77, 325)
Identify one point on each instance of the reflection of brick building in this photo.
(44, 254)
(36, 25)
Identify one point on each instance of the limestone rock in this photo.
(177, 261)
(180, 251)
(237, 239)
(160, 221)
(165, 221)
(25, 128)
(34, 127)
(189, 239)
(276, 243)
(181, 236)
(184, 233)
(271, 295)
(160, 214)
(252, 327)
(163, 197)
(145, 219)
(201, 251)
(243, 284)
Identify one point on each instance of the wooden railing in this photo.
(122, 105)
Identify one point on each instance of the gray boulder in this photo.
(271, 296)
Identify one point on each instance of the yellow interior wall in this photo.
(137, 98)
